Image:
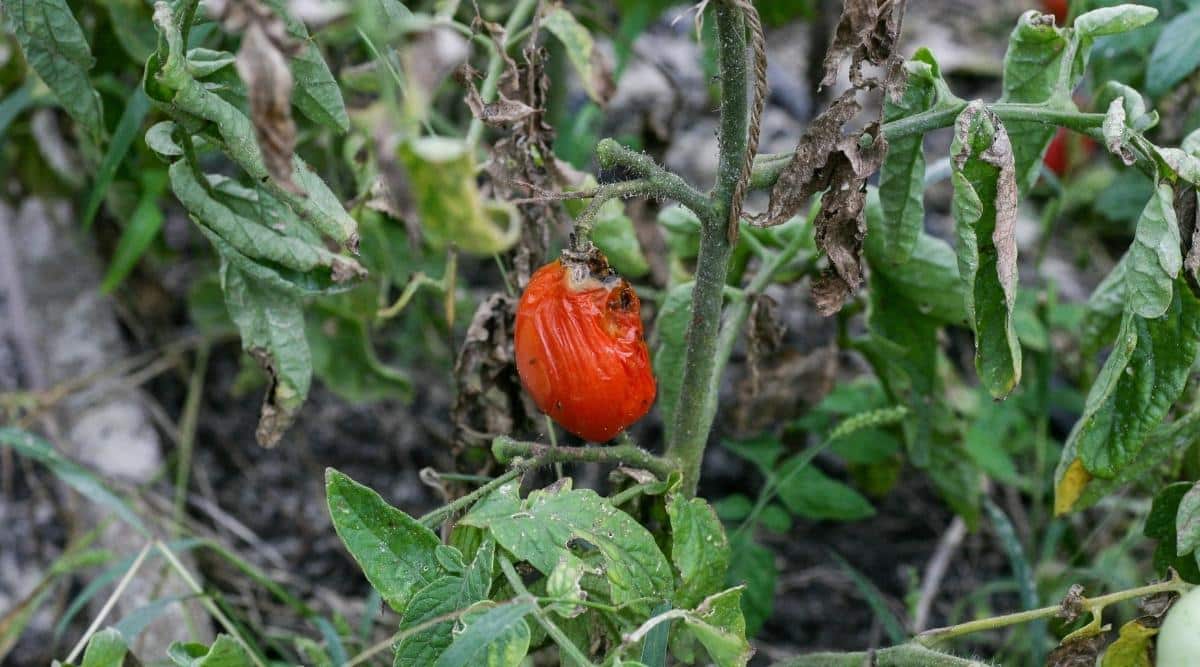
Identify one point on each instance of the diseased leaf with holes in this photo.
(541, 527)
(395, 552)
(1187, 522)
(1155, 258)
(493, 637)
(1138, 383)
(581, 52)
(1132, 647)
(1175, 55)
(105, 649)
(1161, 525)
(224, 652)
(55, 47)
(985, 214)
(699, 549)
(812, 494)
(670, 344)
(717, 623)
(902, 176)
(1076, 489)
(1031, 65)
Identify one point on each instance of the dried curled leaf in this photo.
(1080, 652)
(489, 393)
(501, 113)
(867, 32)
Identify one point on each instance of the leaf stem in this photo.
(1093, 606)
(537, 454)
(564, 642)
(440, 514)
(655, 181)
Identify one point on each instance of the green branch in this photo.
(655, 181)
(536, 454)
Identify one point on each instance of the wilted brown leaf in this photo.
(274, 418)
(764, 335)
(867, 32)
(500, 113)
(1080, 652)
(489, 392)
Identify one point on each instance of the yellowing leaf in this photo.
(1070, 487)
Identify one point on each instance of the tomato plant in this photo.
(363, 172)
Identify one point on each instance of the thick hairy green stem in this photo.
(654, 180)
(698, 391)
(537, 454)
(906, 655)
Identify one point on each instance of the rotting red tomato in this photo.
(1058, 8)
(580, 350)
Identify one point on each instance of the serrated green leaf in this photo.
(55, 47)
(670, 344)
(70, 473)
(902, 176)
(985, 213)
(497, 637)
(1031, 66)
(1138, 383)
(1155, 258)
(438, 598)
(540, 528)
(581, 52)
(699, 549)
(395, 552)
(1175, 55)
(1187, 522)
(812, 494)
(224, 652)
(719, 625)
(105, 649)
(1114, 20)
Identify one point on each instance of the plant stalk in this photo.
(698, 392)
(506, 449)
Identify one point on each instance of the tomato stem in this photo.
(537, 454)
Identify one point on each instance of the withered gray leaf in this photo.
(867, 32)
(263, 66)
(489, 392)
(1081, 652)
(497, 114)
(1186, 213)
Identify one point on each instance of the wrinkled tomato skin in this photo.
(581, 354)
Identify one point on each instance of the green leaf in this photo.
(929, 279)
(540, 528)
(902, 176)
(763, 450)
(225, 652)
(203, 62)
(699, 549)
(105, 649)
(127, 131)
(1140, 380)
(344, 359)
(271, 324)
(1132, 648)
(1031, 66)
(1114, 20)
(1103, 310)
(613, 233)
(875, 600)
(70, 473)
(985, 212)
(565, 582)
(581, 52)
(670, 344)
(1175, 55)
(443, 596)
(442, 174)
(1187, 522)
(1154, 258)
(718, 624)
(498, 637)
(141, 231)
(130, 22)
(1161, 525)
(395, 552)
(55, 47)
(654, 646)
(316, 93)
(754, 566)
(813, 495)
(1162, 444)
